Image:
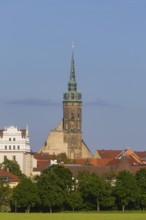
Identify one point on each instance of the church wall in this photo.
(86, 152)
(55, 143)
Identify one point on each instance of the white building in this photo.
(15, 145)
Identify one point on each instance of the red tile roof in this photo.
(100, 171)
(43, 156)
(118, 165)
(103, 161)
(43, 160)
(141, 154)
(42, 164)
(137, 168)
(108, 153)
(11, 177)
(88, 161)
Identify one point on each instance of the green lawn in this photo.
(76, 216)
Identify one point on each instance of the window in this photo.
(72, 115)
(5, 147)
(9, 139)
(18, 147)
(79, 114)
(14, 139)
(4, 179)
(14, 147)
(10, 147)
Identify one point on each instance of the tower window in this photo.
(79, 113)
(72, 115)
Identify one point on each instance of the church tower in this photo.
(72, 116)
(67, 136)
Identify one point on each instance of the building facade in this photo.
(15, 145)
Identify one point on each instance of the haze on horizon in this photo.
(110, 62)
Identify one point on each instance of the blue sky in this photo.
(110, 62)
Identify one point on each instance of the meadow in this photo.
(74, 216)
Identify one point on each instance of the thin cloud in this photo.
(31, 102)
(48, 102)
(101, 103)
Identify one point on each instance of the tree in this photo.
(140, 177)
(12, 166)
(75, 201)
(5, 197)
(51, 190)
(96, 193)
(63, 174)
(25, 194)
(62, 157)
(125, 190)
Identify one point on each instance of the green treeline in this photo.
(55, 190)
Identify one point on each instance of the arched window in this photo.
(72, 115)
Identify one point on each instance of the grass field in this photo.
(76, 216)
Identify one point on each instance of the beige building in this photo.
(67, 136)
(55, 143)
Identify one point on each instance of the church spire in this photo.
(72, 85)
(72, 95)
